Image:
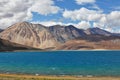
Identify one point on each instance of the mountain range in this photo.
(26, 36)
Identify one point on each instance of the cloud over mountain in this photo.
(12, 11)
(80, 13)
(99, 19)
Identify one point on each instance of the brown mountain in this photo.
(34, 35)
(97, 31)
(65, 33)
(39, 36)
(113, 44)
(59, 37)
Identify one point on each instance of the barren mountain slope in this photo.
(34, 35)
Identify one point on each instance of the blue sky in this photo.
(106, 5)
(104, 14)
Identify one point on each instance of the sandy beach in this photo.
(42, 77)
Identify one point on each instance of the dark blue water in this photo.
(96, 63)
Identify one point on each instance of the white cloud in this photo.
(44, 7)
(80, 25)
(113, 19)
(82, 14)
(81, 2)
(97, 24)
(12, 11)
(49, 23)
(83, 25)
(95, 7)
(110, 21)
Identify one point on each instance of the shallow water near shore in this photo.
(85, 63)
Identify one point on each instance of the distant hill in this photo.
(56, 36)
(65, 33)
(97, 31)
(91, 43)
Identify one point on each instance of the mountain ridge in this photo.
(28, 34)
(42, 37)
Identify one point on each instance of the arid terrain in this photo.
(28, 36)
(89, 45)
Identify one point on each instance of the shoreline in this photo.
(92, 50)
(54, 77)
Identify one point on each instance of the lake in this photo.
(95, 63)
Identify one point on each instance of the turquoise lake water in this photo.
(96, 63)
